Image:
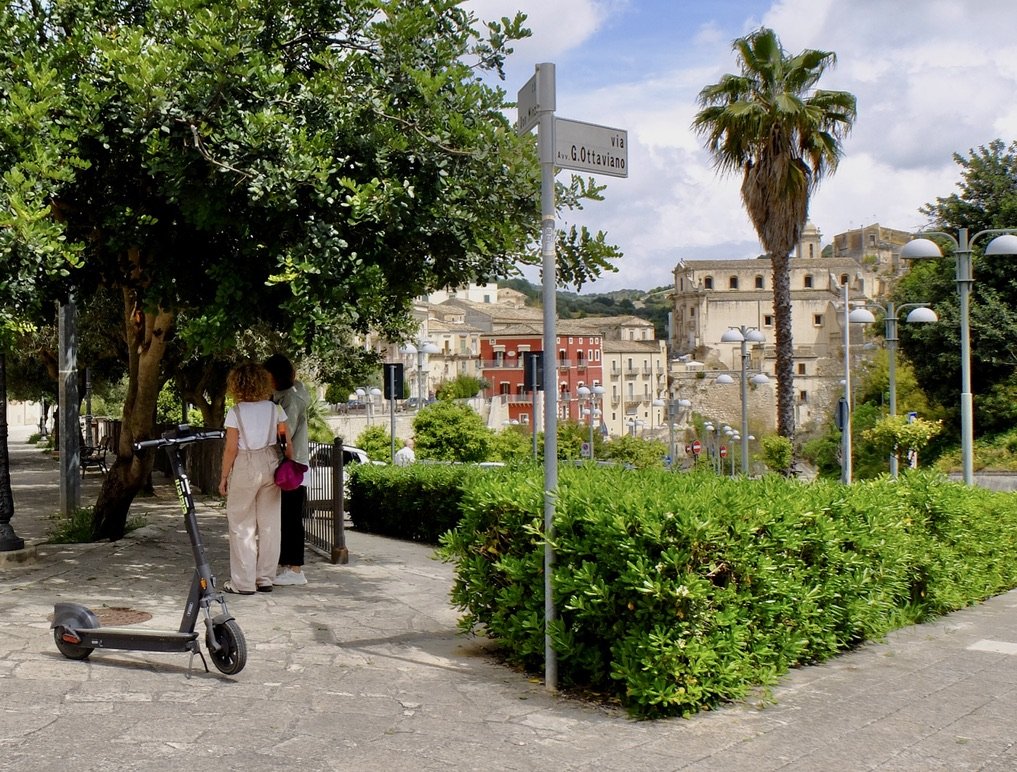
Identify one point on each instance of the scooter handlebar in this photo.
(182, 435)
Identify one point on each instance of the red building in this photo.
(578, 358)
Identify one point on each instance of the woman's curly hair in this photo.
(249, 382)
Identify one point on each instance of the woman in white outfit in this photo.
(248, 483)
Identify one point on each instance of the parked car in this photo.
(414, 403)
(319, 487)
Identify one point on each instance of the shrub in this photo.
(677, 592)
(449, 431)
(419, 502)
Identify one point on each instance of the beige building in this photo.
(873, 246)
(711, 296)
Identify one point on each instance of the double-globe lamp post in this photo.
(744, 336)
(421, 348)
(924, 248)
(591, 395)
(920, 313)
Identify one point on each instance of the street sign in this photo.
(723, 451)
(587, 147)
(842, 413)
(697, 447)
(536, 96)
(584, 450)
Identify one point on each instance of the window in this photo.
(732, 282)
(708, 282)
(803, 396)
(801, 368)
(843, 279)
(817, 319)
(768, 320)
(596, 356)
(759, 282)
(692, 313)
(504, 387)
(524, 419)
(808, 281)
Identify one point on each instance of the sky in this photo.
(932, 78)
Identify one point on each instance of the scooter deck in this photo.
(139, 640)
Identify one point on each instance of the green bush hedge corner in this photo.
(676, 593)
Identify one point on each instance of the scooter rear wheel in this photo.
(232, 656)
(70, 650)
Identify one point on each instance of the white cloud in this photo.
(932, 79)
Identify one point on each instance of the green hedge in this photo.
(676, 592)
(418, 502)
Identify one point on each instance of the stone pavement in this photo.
(362, 669)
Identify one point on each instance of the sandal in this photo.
(227, 586)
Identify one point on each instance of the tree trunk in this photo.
(146, 335)
(9, 540)
(785, 345)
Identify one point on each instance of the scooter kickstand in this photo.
(190, 662)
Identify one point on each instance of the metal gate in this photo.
(325, 506)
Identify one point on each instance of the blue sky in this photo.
(932, 77)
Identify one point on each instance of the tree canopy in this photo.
(308, 166)
(986, 198)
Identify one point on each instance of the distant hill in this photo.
(572, 305)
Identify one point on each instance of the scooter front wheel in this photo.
(68, 649)
(232, 654)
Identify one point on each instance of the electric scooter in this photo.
(76, 629)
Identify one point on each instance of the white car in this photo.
(319, 486)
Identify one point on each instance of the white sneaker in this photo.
(290, 577)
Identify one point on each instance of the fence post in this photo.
(339, 552)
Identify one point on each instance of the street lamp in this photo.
(744, 336)
(862, 316)
(421, 348)
(922, 248)
(591, 409)
(657, 403)
(920, 313)
(684, 404)
(367, 395)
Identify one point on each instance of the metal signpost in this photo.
(583, 147)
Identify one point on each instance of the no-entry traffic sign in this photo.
(697, 447)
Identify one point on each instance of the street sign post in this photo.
(538, 95)
(587, 147)
(723, 451)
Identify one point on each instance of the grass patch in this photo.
(77, 529)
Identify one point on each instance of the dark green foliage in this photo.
(418, 502)
(462, 387)
(679, 592)
(451, 431)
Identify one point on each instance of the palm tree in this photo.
(784, 136)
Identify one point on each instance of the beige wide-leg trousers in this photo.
(253, 514)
